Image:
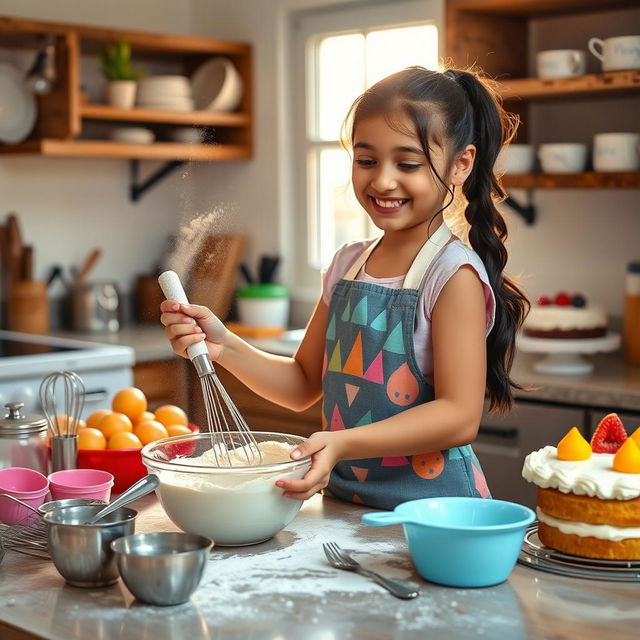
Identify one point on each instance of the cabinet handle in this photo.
(500, 433)
(95, 396)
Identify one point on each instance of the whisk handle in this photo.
(173, 290)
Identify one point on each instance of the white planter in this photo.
(121, 93)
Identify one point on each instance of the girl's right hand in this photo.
(187, 324)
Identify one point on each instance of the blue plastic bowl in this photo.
(460, 542)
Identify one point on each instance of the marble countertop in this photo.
(284, 589)
(613, 384)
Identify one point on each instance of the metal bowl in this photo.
(81, 552)
(68, 502)
(162, 568)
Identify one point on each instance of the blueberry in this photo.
(578, 301)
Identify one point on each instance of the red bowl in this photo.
(125, 464)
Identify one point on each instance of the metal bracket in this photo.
(137, 188)
(528, 211)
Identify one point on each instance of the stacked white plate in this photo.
(165, 92)
(132, 135)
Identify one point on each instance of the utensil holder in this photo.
(64, 452)
(28, 307)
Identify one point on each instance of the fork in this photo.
(340, 559)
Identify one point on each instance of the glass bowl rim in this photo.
(170, 465)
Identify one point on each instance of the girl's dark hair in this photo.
(454, 109)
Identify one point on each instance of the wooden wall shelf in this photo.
(589, 84)
(188, 118)
(109, 149)
(540, 7)
(62, 115)
(587, 180)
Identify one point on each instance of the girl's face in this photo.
(391, 177)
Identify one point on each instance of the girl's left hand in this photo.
(324, 449)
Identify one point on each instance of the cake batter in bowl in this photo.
(233, 505)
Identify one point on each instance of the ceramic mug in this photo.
(616, 151)
(616, 54)
(561, 63)
(563, 157)
(515, 159)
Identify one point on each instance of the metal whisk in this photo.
(230, 434)
(62, 397)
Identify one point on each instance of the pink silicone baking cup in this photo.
(81, 483)
(27, 485)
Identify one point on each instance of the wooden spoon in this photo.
(89, 263)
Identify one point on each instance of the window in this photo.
(344, 53)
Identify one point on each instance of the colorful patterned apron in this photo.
(370, 373)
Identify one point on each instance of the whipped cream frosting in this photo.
(584, 530)
(594, 477)
(549, 317)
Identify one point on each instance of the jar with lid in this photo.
(631, 332)
(23, 440)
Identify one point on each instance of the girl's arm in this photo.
(294, 382)
(458, 327)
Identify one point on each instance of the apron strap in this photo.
(422, 261)
(420, 264)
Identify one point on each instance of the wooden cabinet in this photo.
(164, 382)
(69, 126)
(496, 35)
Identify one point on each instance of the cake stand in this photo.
(564, 356)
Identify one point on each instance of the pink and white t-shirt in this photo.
(445, 263)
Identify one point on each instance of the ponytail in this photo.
(488, 233)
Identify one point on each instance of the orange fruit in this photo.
(169, 414)
(90, 438)
(95, 418)
(130, 401)
(145, 415)
(115, 423)
(178, 430)
(124, 440)
(150, 430)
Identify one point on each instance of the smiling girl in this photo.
(413, 328)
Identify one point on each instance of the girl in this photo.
(411, 329)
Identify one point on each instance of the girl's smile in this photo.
(387, 206)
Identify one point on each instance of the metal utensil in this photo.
(42, 75)
(81, 552)
(141, 488)
(162, 568)
(342, 560)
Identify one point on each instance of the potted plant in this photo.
(121, 75)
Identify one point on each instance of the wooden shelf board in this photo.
(588, 180)
(540, 7)
(162, 42)
(110, 149)
(592, 83)
(192, 118)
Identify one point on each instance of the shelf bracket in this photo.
(137, 188)
(528, 211)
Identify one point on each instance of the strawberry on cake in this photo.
(565, 317)
(588, 499)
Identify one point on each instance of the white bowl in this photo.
(234, 506)
(186, 135)
(134, 135)
(515, 159)
(563, 157)
(216, 85)
(165, 85)
(17, 106)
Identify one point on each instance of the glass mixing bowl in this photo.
(233, 506)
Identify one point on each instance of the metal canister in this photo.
(23, 440)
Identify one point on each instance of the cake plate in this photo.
(563, 356)
(536, 556)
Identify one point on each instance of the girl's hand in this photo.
(187, 324)
(325, 450)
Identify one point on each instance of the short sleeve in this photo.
(344, 257)
(451, 258)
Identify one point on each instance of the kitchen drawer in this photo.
(504, 441)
